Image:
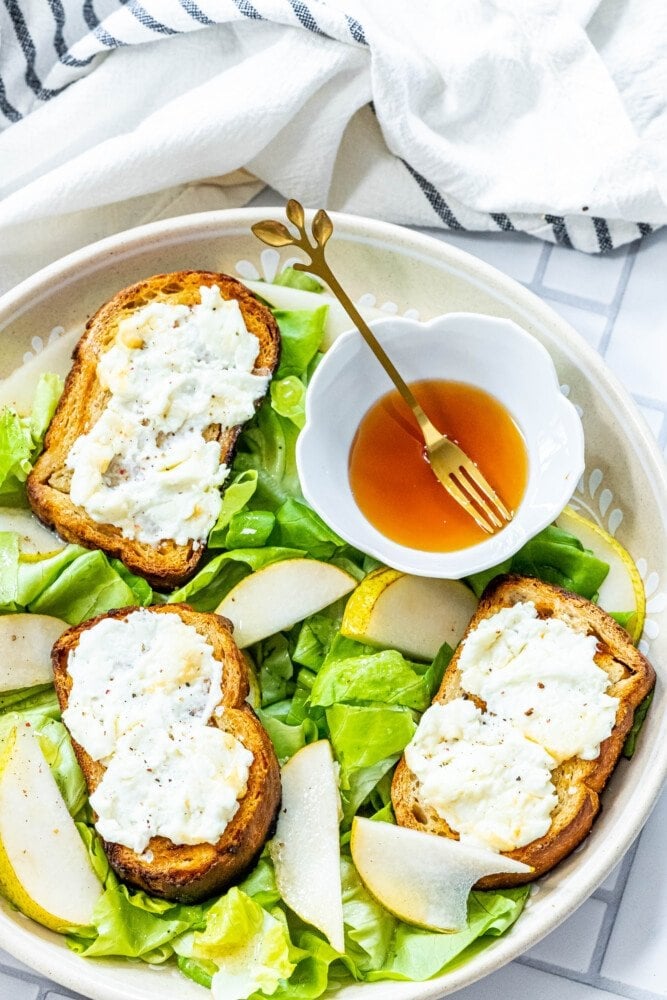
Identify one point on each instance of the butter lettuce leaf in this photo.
(301, 334)
(21, 440)
(384, 676)
(208, 587)
(417, 955)
(554, 556)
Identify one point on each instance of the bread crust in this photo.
(191, 873)
(578, 782)
(166, 564)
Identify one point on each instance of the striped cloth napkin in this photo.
(543, 116)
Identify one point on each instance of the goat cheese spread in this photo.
(183, 784)
(481, 775)
(541, 675)
(145, 466)
(143, 691)
(488, 774)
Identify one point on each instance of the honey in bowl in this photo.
(393, 483)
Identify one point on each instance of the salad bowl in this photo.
(623, 488)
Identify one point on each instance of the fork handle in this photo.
(428, 430)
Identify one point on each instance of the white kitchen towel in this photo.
(545, 116)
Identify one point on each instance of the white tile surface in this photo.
(514, 254)
(653, 417)
(612, 878)
(17, 989)
(637, 351)
(591, 277)
(8, 960)
(637, 951)
(519, 982)
(571, 945)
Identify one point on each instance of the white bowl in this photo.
(490, 353)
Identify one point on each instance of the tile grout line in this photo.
(617, 301)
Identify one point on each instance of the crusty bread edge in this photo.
(545, 852)
(185, 873)
(165, 565)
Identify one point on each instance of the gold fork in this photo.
(451, 466)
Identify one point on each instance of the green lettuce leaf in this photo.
(250, 529)
(235, 497)
(249, 946)
(554, 556)
(288, 739)
(367, 741)
(314, 640)
(268, 447)
(298, 525)
(301, 333)
(417, 955)
(630, 744)
(21, 440)
(208, 587)
(288, 398)
(384, 676)
(369, 929)
(298, 279)
(57, 748)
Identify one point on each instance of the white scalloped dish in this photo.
(492, 354)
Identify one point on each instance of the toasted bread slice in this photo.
(578, 782)
(83, 401)
(182, 872)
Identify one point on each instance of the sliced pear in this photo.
(25, 649)
(421, 878)
(280, 595)
(413, 614)
(44, 866)
(34, 538)
(623, 589)
(306, 848)
(284, 297)
(18, 389)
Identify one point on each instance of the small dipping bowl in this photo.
(493, 354)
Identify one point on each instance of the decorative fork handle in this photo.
(276, 234)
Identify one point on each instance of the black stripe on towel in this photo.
(195, 13)
(58, 11)
(561, 235)
(644, 228)
(8, 110)
(356, 30)
(147, 19)
(305, 16)
(436, 201)
(503, 221)
(28, 47)
(602, 232)
(101, 34)
(246, 8)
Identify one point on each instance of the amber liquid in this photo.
(392, 480)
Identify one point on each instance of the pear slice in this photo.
(44, 866)
(623, 588)
(34, 538)
(25, 649)
(421, 878)
(413, 614)
(337, 322)
(306, 848)
(18, 389)
(280, 595)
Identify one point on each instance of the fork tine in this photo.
(484, 487)
(455, 491)
(478, 498)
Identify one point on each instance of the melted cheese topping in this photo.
(143, 690)
(173, 371)
(488, 774)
